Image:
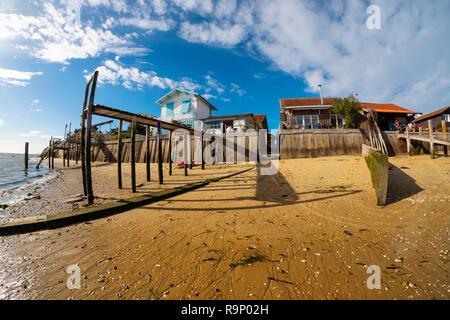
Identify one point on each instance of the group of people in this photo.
(401, 129)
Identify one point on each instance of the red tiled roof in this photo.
(387, 107)
(431, 114)
(298, 102)
(259, 118)
(379, 107)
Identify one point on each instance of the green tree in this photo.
(348, 109)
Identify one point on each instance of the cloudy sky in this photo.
(243, 56)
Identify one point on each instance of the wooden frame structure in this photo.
(89, 109)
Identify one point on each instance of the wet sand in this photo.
(306, 233)
(64, 192)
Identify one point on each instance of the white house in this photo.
(184, 107)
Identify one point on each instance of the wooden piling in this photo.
(201, 151)
(133, 155)
(420, 130)
(185, 152)
(430, 133)
(147, 151)
(170, 152)
(160, 163)
(49, 154)
(26, 155)
(90, 193)
(119, 156)
(408, 141)
(52, 151)
(83, 150)
(68, 157)
(444, 136)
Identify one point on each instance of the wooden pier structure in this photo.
(89, 109)
(433, 138)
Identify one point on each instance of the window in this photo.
(336, 121)
(185, 107)
(446, 117)
(214, 125)
(169, 109)
(189, 123)
(307, 122)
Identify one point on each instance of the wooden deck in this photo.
(430, 137)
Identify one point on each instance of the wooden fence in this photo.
(331, 142)
(293, 144)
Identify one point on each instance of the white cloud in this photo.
(237, 89)
(2, 122)
(37, 134)
(115, 73)
(201, 7)
(332, 46)
(15, 77)
(213, 84)
(211, 33)
(34, 102)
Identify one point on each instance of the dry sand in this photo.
(306, 233)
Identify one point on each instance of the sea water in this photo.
(16, 183)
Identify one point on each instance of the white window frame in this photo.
(303, 119)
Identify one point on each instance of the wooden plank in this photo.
(160, 164)
(408, 141)
(26, 155)
(133, 155)
(147, 151)
(90, 193)
(119, 156)
(430, 133)
(170, 153)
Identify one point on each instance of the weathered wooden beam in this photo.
(90, 193)
(49, 154)
(170, 153)
(430, 133)
(147, 151)
(420, 130)
(133, 155)
(201, 151)
(119, 156)
(160, 160)
(185, 152)
(444, 136)
(408, 141)
(53, 154)
(26, 155)
(68, 157)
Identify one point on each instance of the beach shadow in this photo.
(274, 188)
(400, 185)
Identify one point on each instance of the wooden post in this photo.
(119, 156)
(53, 154)
(64, 155)
(444, 129)
(160, 163)
(185, 152)
(68, 157)
(26, 155)
(49, 154)
(77, 150)
(147, 151)
(201, 151)
(408, 141)
(90, 193)
(190, 152)
(444, 136)
(170, 152)
(430, 133)
(133, 155)
(420, 130)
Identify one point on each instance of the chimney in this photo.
(321, 97)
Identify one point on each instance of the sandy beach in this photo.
(308, 232)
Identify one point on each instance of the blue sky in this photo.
(243, 56)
